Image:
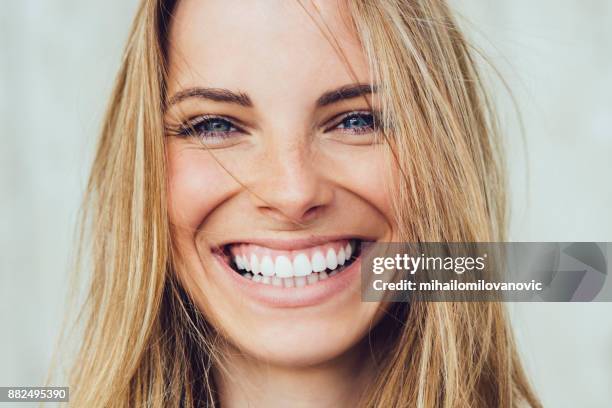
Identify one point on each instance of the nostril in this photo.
(294, 216)
(313, 212)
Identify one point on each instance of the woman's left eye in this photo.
(356, 122)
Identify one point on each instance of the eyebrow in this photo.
(225, 95)
(345, 92)
(214, 94)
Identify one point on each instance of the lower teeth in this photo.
(295, 281)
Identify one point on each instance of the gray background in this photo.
(57, 62)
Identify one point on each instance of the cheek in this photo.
(196, 185)
(372, 182)
(364, 171)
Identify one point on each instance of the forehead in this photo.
(263, 46)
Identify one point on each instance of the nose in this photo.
(290, 185)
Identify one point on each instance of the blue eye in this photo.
(215, 125)
(209, 127)
(357, 122)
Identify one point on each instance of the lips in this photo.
(291, 268)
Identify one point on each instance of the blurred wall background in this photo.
(57, 63)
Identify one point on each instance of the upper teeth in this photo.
(285, 264)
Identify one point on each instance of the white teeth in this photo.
(331, 260)
(283, 267)
(290, 282)
(267, 266)
(348, 250)
(318, 262)
(238, 262)
(254, 264)
(281, 270)
(301, 265)
(341, 256)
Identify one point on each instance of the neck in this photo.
(246, 382)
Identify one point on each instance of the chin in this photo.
(303, 343)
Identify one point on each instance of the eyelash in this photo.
(190, 128)
(338, 120)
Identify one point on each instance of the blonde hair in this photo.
(145, 343)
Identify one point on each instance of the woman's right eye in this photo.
(209, 128)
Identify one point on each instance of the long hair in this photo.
(144, 343)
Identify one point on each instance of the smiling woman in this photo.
(247, 154)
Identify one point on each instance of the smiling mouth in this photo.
(290, 268)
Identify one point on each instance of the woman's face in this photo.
(274, 177)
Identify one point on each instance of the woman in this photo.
(249, 149)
